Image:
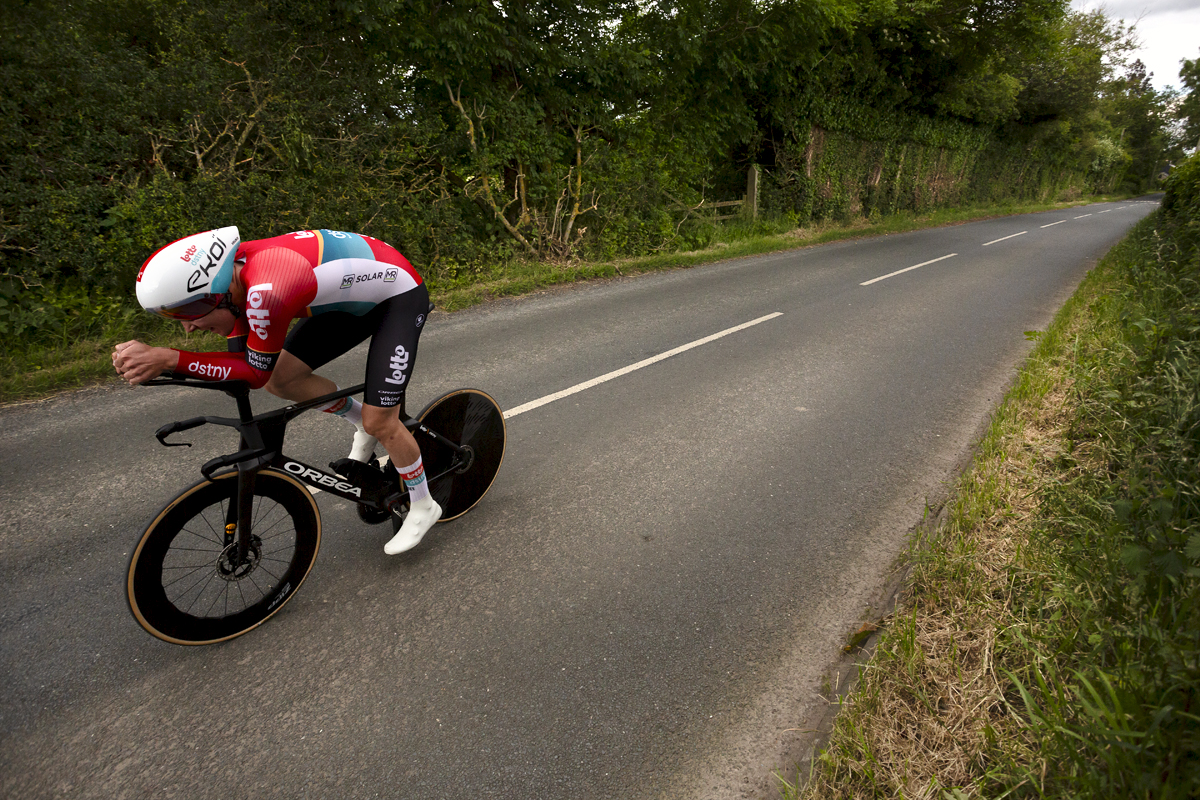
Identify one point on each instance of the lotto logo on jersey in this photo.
(261, 361)
(398, 362)
(256, 316)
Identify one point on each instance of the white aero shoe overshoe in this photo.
(363, 447)
(421, 517)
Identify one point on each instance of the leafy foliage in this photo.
(1188, 111)
(1130, 529)
(471, 131)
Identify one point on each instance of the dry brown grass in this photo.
(933, 705)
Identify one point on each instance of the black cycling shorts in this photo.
(394, 327)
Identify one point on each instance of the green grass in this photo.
(1048, 643)
(38, 370)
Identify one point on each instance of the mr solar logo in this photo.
(398, 363)
(310, 474)
(212, 257)
(257, 316)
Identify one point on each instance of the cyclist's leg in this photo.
(294, 380)
(390, 365)
(311, 344)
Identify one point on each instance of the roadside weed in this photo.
(1048, 644)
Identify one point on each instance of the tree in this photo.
(1085, 51)
(1188, 111)
(1139, 112)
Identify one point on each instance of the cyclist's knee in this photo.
(291, 379)
(380, 422)
(289, 387)
(276, 386)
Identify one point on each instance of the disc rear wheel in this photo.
(473, 421)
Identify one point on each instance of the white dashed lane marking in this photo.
(906, 269)
(579, 387)
(1005, 238)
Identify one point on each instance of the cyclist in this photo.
(343, 288)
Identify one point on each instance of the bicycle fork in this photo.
(239, 514)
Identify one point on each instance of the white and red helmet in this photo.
(188, 278)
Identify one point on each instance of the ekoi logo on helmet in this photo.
(204, 261)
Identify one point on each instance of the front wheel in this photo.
(185, 585)
(471, 419)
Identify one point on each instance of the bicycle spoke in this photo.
(272, 574)
(261, 592)
(204, 595)
(213, 603)
(291, 545)
(195, 550)
(284, 562)
(218, 533)
(266, 534)
(193, 571)
(196, 599)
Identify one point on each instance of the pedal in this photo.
(376, 484)
(372, 517)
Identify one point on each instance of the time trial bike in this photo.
(231, 550)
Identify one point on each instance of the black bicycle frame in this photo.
(261, 446)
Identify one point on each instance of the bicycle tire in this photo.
(466, 417)
(180, 586)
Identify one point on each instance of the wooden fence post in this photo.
(751, 204)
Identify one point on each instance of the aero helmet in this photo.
(188, 278)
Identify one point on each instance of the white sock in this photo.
(347, 408)
(414, 480)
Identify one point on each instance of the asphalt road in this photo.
(643, 606)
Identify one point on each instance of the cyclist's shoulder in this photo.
(313, 250)
(302, 243)
(277, 258)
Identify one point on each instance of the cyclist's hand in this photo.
(138, 363)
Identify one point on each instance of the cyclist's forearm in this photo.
(220, 367)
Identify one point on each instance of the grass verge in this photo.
(731, 240)
(34, 370)
(1048, 642)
